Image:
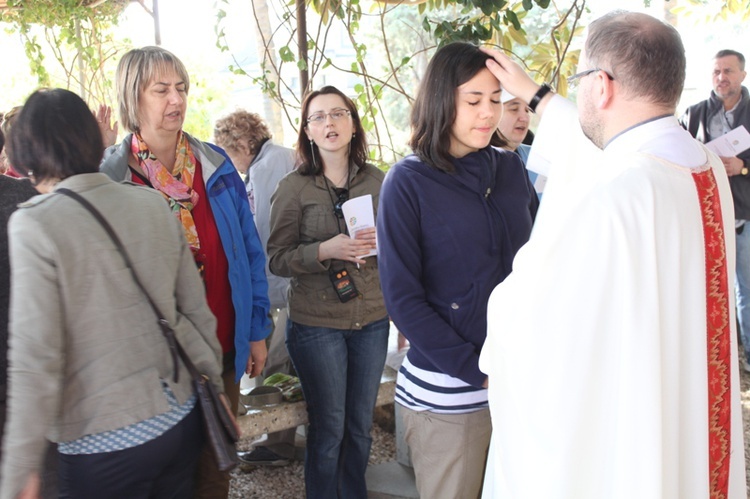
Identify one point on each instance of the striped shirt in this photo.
(421, 390)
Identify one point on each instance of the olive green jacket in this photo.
(302, 216)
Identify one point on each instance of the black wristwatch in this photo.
(744, 171)
(543, 90)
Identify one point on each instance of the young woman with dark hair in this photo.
(337, 332)
(452, 217)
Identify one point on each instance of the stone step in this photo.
(391, 480)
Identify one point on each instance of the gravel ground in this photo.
(287, 482)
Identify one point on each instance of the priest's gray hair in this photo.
(645, 55)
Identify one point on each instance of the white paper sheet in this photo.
(540, 183)
(358, 214)
(732, 143)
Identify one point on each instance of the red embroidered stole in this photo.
(718, 335)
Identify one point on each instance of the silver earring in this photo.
(312, 153)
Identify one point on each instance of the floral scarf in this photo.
(176, 187)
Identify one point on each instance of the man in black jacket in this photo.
(726, 109)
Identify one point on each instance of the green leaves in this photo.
(77, 36)
(286, 54)
(481, 20)
(513, 18)
(378, 58)
(703, 12)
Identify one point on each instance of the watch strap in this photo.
(538, 96)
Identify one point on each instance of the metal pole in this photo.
(157, 28)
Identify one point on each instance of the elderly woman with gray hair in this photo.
(207, 196)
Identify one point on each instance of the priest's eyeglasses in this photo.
(574, 80)
(320, 118)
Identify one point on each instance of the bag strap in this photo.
(174, 346)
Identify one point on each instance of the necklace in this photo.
(341, 181)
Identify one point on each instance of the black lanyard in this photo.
(339, 197)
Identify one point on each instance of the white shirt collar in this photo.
(663, 138)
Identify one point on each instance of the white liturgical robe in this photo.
(611, 348)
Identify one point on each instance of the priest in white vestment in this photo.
(611, 348)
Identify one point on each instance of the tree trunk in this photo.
(266, 54)
(302, 44)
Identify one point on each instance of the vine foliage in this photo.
(388, 44)
(76, 34)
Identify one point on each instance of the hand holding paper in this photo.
(359, 216)
(732, 143)
(343, 247)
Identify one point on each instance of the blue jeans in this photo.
(742, 287)
(340, 374)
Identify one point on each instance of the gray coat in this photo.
(86, 353)
(269, 166)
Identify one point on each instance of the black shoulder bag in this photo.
(219, 427)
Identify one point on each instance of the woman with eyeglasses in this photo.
(337, 333)
(452, 217)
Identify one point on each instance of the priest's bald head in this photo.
(631, 69)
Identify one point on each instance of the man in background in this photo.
(727, 108)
